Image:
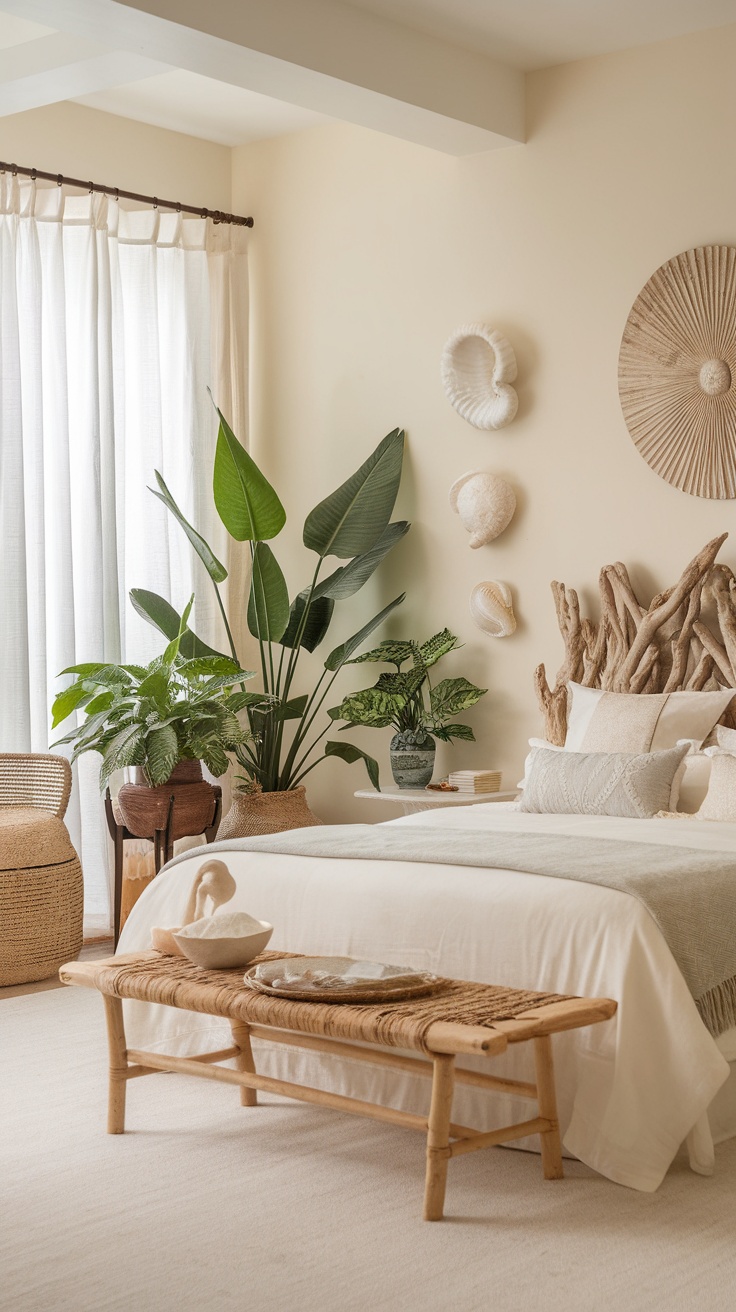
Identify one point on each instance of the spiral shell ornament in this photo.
(485, 504)
(478, 364)
(677, 372)
(491, 609)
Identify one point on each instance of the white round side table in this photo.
(419, 799)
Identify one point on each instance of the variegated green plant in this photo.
(407, 700)
(180, 707)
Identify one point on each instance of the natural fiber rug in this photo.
(209, 1206)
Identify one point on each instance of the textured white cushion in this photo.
(720, 800)
(642, 722)
(637, 785)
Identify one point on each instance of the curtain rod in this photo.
(217, 216)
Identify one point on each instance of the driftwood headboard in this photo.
(685, 639)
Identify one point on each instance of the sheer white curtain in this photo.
(113, 324)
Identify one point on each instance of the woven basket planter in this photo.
(41, 904)
(266, 813)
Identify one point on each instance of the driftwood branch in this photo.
(665, 647)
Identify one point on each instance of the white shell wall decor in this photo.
(485, 504)
(677, 372)
(492, 610)
(478, 364)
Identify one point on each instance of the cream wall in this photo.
(85, 143)
(368, 252)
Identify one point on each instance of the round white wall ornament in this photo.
(478, 364)
(491, 608)
(485, 504)
(677, 372)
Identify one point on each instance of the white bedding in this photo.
(629, 1090)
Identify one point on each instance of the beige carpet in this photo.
(207, 1205)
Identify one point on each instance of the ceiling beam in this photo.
(319, 54)
(60, 66)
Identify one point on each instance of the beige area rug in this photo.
(206, 1205)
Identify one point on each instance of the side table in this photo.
(419, 799)
(163, 845)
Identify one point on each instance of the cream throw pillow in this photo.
(602, 783)
(599, 721)
(720, 800)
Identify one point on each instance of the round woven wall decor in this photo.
(677, 372)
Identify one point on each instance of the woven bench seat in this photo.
(460, 1018)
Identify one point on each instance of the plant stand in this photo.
(163, 845)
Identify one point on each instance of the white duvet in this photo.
(630, 1090)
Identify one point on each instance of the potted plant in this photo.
(164, 719)
(400, 699)
(353, 524)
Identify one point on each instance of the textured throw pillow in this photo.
(601, 721)
(720, 800)
(602, 783)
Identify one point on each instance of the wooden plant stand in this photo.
(163, 845)
(492, 1019)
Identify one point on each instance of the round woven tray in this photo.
(395, 988)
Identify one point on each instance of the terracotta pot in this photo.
(145, 809)
(266, 813)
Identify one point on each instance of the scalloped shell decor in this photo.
(485, 504)
(677, 372)
(478, 364)
(492, 610)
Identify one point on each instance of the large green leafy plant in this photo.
(407, 700)
(351, 524)
(177, 708)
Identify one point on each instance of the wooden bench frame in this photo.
(445, 1041)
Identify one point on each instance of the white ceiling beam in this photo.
(319, 54)
(60, 66)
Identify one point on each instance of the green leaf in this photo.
(162, 751)
(156, 686)
(449, 731)
(126, 748)
(348, 579)
(393, 652)
(239, 700)
(348, 753)
(404, 684)
(452, 696)
(102, 702)
(172, 651)
(268, 603)
(353, 517)
(434, 648)
(292, 710)
(214, 757)
(318, 621)
(158, 612)
(246, 503)
(208, 665)
(91, 667)
(215, 569)
(369, 707)
(67, 701)
(341, 654)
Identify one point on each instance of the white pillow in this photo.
(639, 722)
(690, 784)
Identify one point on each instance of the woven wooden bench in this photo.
(461, 1018)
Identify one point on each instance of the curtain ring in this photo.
(117, 193)
(33, 175)
(91, 187)
(155, 202)
(14, 170)
(59, 179)
(178, 207)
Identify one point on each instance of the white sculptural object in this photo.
(478, 365)
(485, 504)
(214, 881)
(492, 610)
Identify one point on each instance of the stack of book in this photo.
(476, 781)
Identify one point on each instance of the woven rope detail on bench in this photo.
(177, 983)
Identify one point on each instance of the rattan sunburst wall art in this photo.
(677, 372)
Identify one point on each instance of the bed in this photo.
(630, 1092)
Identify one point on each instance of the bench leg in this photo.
(118, 1065)
(438, 1137)
(547, 1100)
(244, 1061)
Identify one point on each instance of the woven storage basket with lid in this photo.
(41, 890)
